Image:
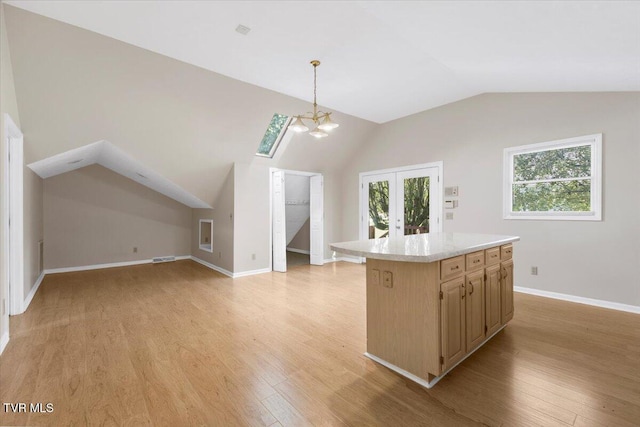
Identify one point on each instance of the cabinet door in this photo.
(507, 291)
(452, 314)
(475, 332)
(492, 299)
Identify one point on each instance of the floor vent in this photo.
(164, 259)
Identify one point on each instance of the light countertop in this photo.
(422, 247)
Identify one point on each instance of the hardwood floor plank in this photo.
(286, 415)
(178, 344)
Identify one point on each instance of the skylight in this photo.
(272, 137)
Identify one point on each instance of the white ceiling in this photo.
(108, 155)
(383, 60)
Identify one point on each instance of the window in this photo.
(272, 137)
(556, 180)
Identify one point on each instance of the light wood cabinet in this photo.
(492, 256)
(452, 312)
(424, 318)
(492, 299)
(475, 260)
(475, 321)
(506, 290)
(451, 267)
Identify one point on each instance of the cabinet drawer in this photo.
(492, 256)
(506, 252)
(475, 260)
(451, 267)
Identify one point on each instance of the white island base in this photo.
(433, 299)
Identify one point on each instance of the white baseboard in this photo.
(580, 300)
(251, 272)
(108, 265)
(299, 251)
(227, 272)
(4, 341)
(32, 293)
(212, 266)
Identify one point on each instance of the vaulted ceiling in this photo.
(180, 91)
(383, 59)
(188, 124)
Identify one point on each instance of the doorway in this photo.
(401, 201)
(297, 219)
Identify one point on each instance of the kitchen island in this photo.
(433, 299)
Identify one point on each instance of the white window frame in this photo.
(204, 246)
(279, 140)
(595, 141)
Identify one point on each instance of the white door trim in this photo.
(278, 223)
(365, 180)
(12, 202)
(287, 172)
(440, 185)
(316, 216)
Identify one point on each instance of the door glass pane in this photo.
(416, 205)
(378, 209)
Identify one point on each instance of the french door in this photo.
(401, 202)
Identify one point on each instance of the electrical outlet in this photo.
(375, 276)
(534, 271)
(135, 249)
(448, 215)
(454, 191)
(387, 279)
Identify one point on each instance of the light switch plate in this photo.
(451, 191)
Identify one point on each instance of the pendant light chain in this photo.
(321, 119)
(315, 105)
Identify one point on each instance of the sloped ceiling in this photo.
(111, 157)
(383, 60)
(186, 123)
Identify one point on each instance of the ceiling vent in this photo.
(242, 29)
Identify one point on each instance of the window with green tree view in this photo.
(554, 180)
(272, 137)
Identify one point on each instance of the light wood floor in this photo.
(177, 344)
(295, 259)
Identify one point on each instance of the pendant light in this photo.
(322, 120)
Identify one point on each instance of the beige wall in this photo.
(33, 227)
(146, 103)
(95, 216)
(302, 239)
(252, 216)
(8, 104)
(223, 219)
(582, 258)
(252, 204)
